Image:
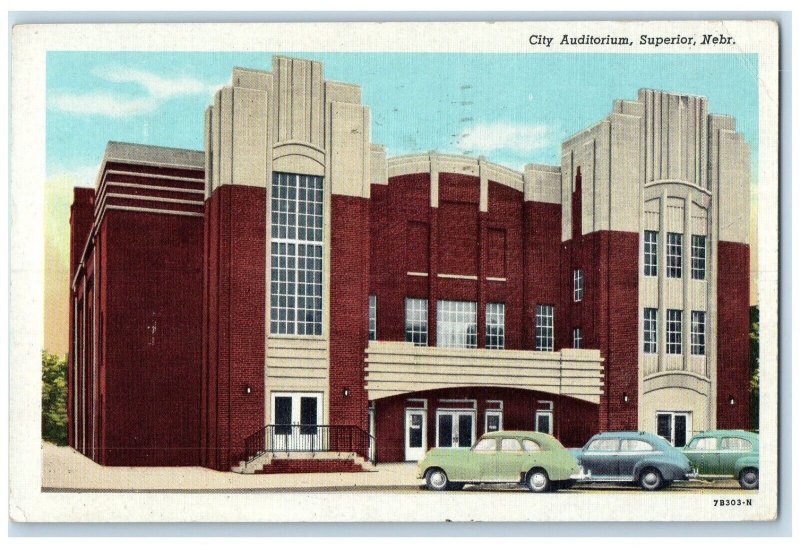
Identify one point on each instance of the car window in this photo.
(605, 445)
(635, 445)
(487, 444)
(735, 444)
(530, 445)
(703, 444)
(509, 444)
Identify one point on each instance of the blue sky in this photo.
(513, 108)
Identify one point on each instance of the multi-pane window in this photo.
(650, 253)
(577, 338)
(650, 330)
(496, 325)
(544, 327)
(698, 257)
(674, 331)
(296, 255)
(674, 254)
(698, 333)
(457, 324)
(577, 285)
(373, 317)
(417, 321)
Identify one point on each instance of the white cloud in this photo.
(157, 86)
(103, 104)
(157, 90)
(504, 136)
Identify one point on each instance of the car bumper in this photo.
(581, 475)
(694, 474)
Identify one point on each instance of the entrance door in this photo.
(416, 434)
(296, 417)
(455, 428)
(675, 426)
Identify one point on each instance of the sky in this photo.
(512, 108)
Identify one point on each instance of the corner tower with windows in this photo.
(285, 295)
(656, 213)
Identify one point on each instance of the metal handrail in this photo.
(309, 438)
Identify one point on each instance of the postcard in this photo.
(519, 271)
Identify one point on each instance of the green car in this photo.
(725, 454)
(533, 459)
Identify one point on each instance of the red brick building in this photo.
(290, 297)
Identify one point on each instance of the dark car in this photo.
(633, 457)
(725, 454)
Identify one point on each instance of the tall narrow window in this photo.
(544, 327)
(650, 253)
(496, 325)
(417, 321)
(296, 255)
(577, 285)
(674, 331)
(698, 333)
(650, 330)
(698, 257)
(373, 318)
(457, 324)
(577, 338)
(674, 254)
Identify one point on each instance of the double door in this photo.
(296, 418)
(455, 428)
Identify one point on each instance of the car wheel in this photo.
(748, 478)
(436, 479)
(538, 481)
(650, 479)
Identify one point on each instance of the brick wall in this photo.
(150, 380)
(456, 238)
(81, 221)
(733, 335)
(234, 315)
(348, 309)
(542, 255)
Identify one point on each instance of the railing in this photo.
(310, 438)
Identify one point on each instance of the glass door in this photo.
(296, 418)
(455, 428)
(415, 434)
(674, 426)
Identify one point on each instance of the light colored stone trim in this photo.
(457, 276)
(434, 162)
(421, 274)
(397, 367)
(542, 183)
(378, 168)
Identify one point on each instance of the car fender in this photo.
(669, 471)
(749, 461)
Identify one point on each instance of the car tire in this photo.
(650, 479)
(748, 478)
(538, 481)
(436, 479)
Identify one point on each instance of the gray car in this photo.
(633, 457)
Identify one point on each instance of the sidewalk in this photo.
(63, 468)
